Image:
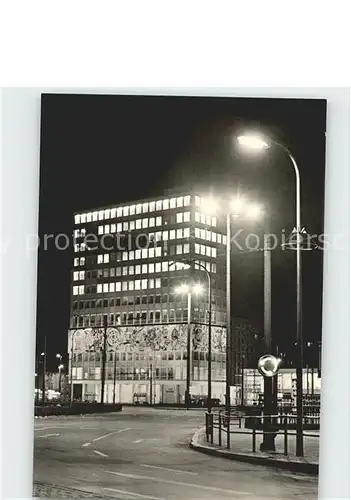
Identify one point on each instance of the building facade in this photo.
(128, 264)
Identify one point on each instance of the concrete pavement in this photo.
(144, 453)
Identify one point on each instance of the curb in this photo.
(293, 466)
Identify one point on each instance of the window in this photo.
(131, 255)
(144, 284)
(137, 269)
(131, 285)
(179, 249)
(159, 205)
(180, 217)
(152, 222)
(158, 267)
(137, 285)
(151, 268)
(137, 254)
(151, 283)
(139, 208)
(101, 230)
(113, 228)
(165, 204)
(83, 218)
(186, 216)
(144, 269)
(197, 217)
(145, 207)
(208, 220)
(107, 229)
(77, 219)
(112, 271)
(158, 236)
(76, 290)
(157, 316)
(76, 276)
(118, 271)
(214, 237)
(125, 211)
(158, 252)
(158, 221)
(213, 268)
(197, 248)
(197, 233)
(119, 227)
(179, 233)
(76, 261)
(144, 253)
(213, 252)
(101, 215)
(125, 270)
(164, 266)
(186, 232)
(208, 251)
(186, 201)
(180, 201)
(131, 270)
(145, 223)
(111, 287)
(173, 203)
(151, 253)
(125, 256)
(95, 216)
(214, 221)
(106, 258)
(224, 240)
(132, 225)
(105, 287)
(125, 226)
(152, 205)
(138, 224)
(124, 286)
(118, 286)
(186, 248)
(172, 234)
(158, 283)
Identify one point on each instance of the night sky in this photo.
(100, 150)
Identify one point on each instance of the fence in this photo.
(222, 425)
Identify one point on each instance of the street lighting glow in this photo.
(237, 205)
(182, 289)
(198, 288)
(252, 142)
(254, 211)
(209, 205)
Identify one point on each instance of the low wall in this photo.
(76, 409)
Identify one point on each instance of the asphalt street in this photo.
(143, 453)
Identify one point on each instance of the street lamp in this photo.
(60, 368)
(43, 355)
(255, 142)
(209, 354)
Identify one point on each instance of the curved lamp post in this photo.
(255, 142)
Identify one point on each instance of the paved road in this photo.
(143, 453)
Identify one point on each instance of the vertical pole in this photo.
(71, 377)
(151, 382)
(242, 380)
(209, 376)
(228, 337)
(312, 381)
(114, 378)
(59, 384)
(44, 373)
(103, 370)
(268, 438)
(188, 365)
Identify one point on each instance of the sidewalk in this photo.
(241, 450)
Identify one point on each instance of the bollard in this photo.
(206, 425)
(211, 427)
(285, 436)
(254, 436)
(219, 430)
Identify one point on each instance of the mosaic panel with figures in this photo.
(171, 337)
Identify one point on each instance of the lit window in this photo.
(138, 223)
(113, 213)
(132, 210)
(197, 201)
(197, 232)
(158, 267)
(159, 205)
(144, 253)
(158, 221)
(139, 208)
(137, 285)
(145, 207)
(106, 258)
(152, 205)
(82, 247)
(173, 203)
(81, 275)
(152, 222)
(186, 248)
(203, 219)
(131, 255)
(224, 240)
(203, 250)
(118, 286)
(76, 247)
(81, 289)
(208, 266)
(95, 216)
(144, 284)
(158, 252)
(214, 252)
(89, 217)
(125, 226)
(77, 219)
(76, 261)
(145, 223)
(137, 269)
(119, 227)
(100, 259)
(131, 285)
(101, 215)
(82, 261)
(180, 201)
(208, 220)
(202, 234)
(125, 256)
(138, 254)
(124, 286)
(119, 212)
(165, 235)
(75, 276)
(151, 283)
(186, 201)
(214, 237)
(125, 211)
(165, 204)
(105, 287)
(132, 225)
(214, 268)
(131, 270)
(118, 271)
(113, 228)
(158, 236)
(107, 229)
(180, 217)
(111, 287)
(172, 234)
(179, 249)
(214, 221)
(164, 266)
(219, 238)
(208, 251)
(179, 233)
(151, 253)
(186, 216)
(83, 218)
(112, 271)
(151, 268)
(144, 269)
(186, 233)
(125, 270)
(158, 283)
(197, 217)
(99, 289)
(208, 235)
(197, 248)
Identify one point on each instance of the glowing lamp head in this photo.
(253, 142)
(237, 205)
(61, 367)
(209, 205)
(197, 289)
(268, 365)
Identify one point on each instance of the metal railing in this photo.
(221, 426)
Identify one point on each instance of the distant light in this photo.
(254, 211)
(209, 205)
(237, 205)
(198, 289)
(58, 355)
(36, 374)
(252, 142)
(42, 354)
(61, 367)
(182, 289)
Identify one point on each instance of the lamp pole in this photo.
(114, 378)
(103, 369)
(71, 377)
(228, 339)
(188, 365)
(44, 373)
